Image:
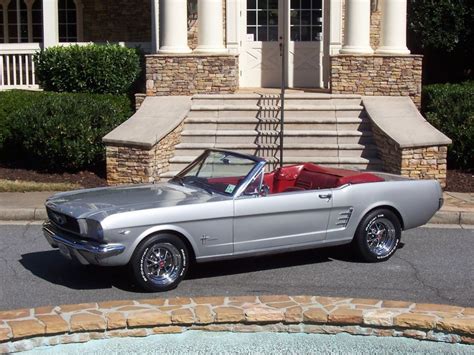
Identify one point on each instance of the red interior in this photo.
(310, 176)
(306, 176)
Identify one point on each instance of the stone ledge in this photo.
(399, 119)
(29, 328)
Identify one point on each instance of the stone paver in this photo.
(116, 320)
(203, 314)
(315, 315)
(87, 322)
(54, 323)
(415, 320)
(182, 316)
(148, 319)
(346, 316)
(229, 314)
(28, 328)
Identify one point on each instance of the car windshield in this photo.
(216, 172)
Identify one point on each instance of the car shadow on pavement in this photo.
(54, 268)
(270, 262)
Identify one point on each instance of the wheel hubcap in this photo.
(162, 263)
(381, 236)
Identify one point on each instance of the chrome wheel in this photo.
(162, 263)
(381, 236)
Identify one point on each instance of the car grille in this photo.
(63, 221)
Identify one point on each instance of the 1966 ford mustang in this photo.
(224, 205)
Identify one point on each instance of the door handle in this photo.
(325, 196)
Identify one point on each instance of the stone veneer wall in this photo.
(413, 162)
(191, 74)
(377, 75)
(132, 164)
(117, 20)
(139, 98)
(375, 22)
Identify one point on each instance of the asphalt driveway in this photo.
(432, 266)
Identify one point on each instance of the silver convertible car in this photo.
(225, 205)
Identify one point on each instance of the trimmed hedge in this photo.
(100, 69)
(450, 108)
(61, 131)
(11, 101)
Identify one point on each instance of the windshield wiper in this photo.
(178, 179)
(204, 187)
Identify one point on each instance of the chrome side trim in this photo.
(98, 251)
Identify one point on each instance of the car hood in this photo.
(99, 203)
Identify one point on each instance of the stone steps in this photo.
(272, 136)
(291, 123)
(293, 150)
(178, 163)
(325, 129)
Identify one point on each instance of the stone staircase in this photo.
(331, 130)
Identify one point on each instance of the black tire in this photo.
(377, 236)
(160, 262)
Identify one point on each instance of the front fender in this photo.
(157, 229)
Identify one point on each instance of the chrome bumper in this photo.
(85, 252)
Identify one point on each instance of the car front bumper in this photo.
(84, 251)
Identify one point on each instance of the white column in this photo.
(233, 25)
(210, 27)
(335, 26)
(174, 26)
(155, 25)
(50, 23)
(357, 28)
(393, 34)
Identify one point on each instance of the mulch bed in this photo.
(460, 181)
(82, 178)
(457, 181)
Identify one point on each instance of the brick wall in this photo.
(191, 74)
(413, 162)
(130, 165)
(377, 75)
(117, 20)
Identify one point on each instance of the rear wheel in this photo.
(378, 235)
(160, 262)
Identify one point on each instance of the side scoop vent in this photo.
(344, 218)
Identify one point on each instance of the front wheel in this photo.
(160, 262)
(378, 235)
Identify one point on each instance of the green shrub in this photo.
(450, 108)
(100, 69)
(63, 132)
(11, 101)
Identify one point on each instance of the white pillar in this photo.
(50, 23)
(174, 26)
(393, 34)
(210, 27)
(155, 25)
(335, 26)
(357, 28)
(233, 26)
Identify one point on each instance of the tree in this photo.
(442, 30)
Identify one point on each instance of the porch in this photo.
(239, 31)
